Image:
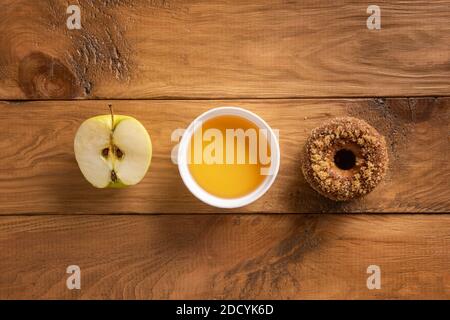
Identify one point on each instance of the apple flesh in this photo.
(113, 151)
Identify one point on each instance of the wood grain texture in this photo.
(39, 174)
(216, 49)
(225, 257)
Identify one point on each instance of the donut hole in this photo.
(345, 159)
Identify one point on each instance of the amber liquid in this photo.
(225, 179)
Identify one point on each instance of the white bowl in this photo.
(198, 191)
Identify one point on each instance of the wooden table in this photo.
(164, 62)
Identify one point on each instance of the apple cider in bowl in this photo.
(228, 157)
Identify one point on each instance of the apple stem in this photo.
(111, 111)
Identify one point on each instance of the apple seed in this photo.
(113, 176)
(105, 152)
(119, 153)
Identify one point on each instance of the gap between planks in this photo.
(19, 101)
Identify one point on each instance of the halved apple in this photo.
(113, 151)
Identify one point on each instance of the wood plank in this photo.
(216, 49)
(39, 174)
(225, 257)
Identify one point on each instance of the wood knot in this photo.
(43, 76)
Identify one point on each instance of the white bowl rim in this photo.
(202, 194)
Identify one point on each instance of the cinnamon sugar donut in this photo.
(345, 158)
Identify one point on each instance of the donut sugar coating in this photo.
(345, 158)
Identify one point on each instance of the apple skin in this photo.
(117, 119)
(116, 185)
(107, 118)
